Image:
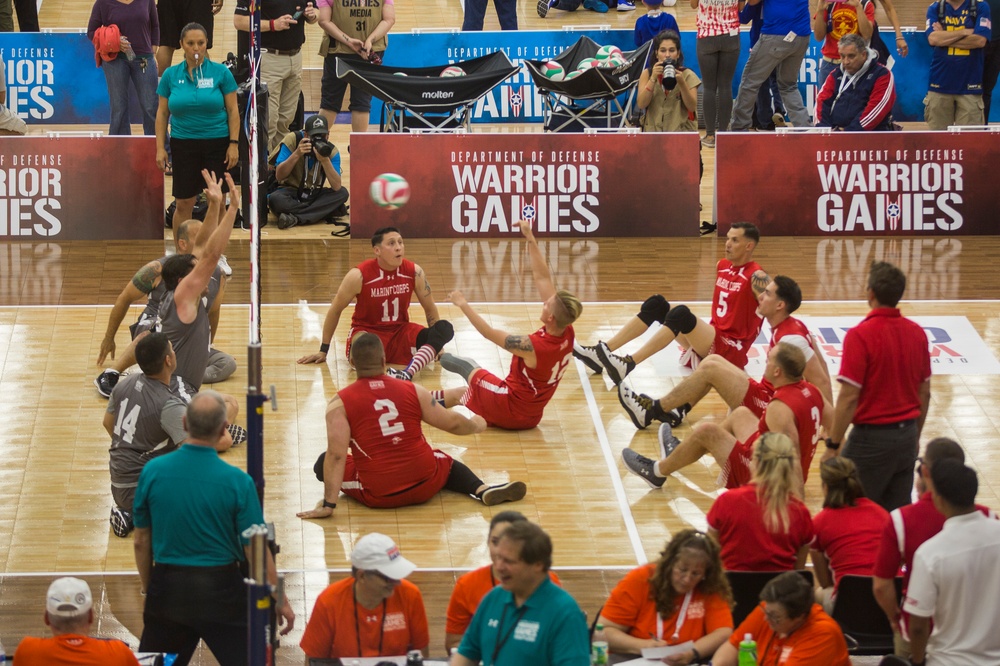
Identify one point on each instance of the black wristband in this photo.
(329, 505)
(324, 348)
(697, 655)
(234, 141)
(832, 445)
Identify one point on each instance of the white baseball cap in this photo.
(377, 552)
(68, 597)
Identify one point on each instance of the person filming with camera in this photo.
(668, 90)
(303, 162)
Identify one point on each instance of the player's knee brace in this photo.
(318, 467)
(437, 336)
(680, 320)
(654, 309)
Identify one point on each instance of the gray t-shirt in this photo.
(191, 341)
(148, 422)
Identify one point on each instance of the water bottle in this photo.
(748, 651)
(599, 647)
(3, 653)
(126, 47)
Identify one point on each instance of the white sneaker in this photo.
(224, 265)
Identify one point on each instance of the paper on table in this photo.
(641, 661)
(657, 653)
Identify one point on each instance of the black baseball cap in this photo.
(316, 126)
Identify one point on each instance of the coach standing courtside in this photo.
(191, 509)
(885, 388)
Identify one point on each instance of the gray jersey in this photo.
(149, 318)
(191, 341)
(147, 423)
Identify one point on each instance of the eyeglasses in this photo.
(774, 616)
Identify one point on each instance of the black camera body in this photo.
(669, 80)
(322, 147)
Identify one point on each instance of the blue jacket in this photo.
(859, 103)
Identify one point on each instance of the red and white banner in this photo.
(859, 184)
(571, 185)
(80, 188)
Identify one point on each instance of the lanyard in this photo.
(680, 620)
(503, 640)
(357, 627)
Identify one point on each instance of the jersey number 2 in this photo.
(387, 421)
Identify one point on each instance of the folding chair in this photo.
(747, 585)
(860, 617)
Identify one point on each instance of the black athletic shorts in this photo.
(332, 89)
(190, 156)
(175, 14)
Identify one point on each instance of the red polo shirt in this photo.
(887, 356)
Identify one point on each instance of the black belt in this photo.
(284, 53)
(899, 425)
(183, 568)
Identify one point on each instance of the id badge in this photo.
(210, 83)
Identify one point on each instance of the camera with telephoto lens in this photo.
(322, 147)
(669, 77)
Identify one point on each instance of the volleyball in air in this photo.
(390, 190)
(553, 70)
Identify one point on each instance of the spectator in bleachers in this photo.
(859, 94)
(683, 596)
(470, 589)
(764, 526)
(653, 22)
(959, 31)
(599, 6)
(956, 577)
(909, 527)
(718, 48)
(668, 91)
(10, 123)
(140, 30)
(789, 629)
(848, 529)
(991, 64)
(69, 614)
(834, 20)
(768, 108)
(782, 45)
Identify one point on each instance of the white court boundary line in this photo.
(340, 570)
(609, 459)
(857, 302)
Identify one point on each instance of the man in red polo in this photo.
(885, 388)
(909, 527)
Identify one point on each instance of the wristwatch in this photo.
(832, 445)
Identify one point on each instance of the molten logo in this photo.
(438, 94)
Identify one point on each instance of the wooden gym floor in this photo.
(55, 299)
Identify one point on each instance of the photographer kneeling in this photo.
(303, 161)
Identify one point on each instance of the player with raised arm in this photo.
(540, 358)
(383, 287)
(730, 332)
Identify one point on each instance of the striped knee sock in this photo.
(423, 356)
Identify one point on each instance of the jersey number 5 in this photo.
(723, 307)
(388, 420)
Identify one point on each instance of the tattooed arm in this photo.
(422, 288)
(142, 283)
(758, 282)
(518, 345)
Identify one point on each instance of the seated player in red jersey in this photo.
(540, 358)
(776, 304)
(797, 409)
(383, 287)
(391, 464)
(730, 332)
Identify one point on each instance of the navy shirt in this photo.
(958, 71)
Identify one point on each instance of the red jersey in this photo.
(534, 387)
(849, 536)
(806, 403)
(383, 304)
(793, 331)
(387, 441)
(888, 357)
(734, 304)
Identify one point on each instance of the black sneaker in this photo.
(638, 405)
(543, 7)
(708, 228)
(507, 492)
(642, 467)
(106, 381)
(399, 374)
(667, 440)
(675, 417)
(588, 354)
(121, 522)
(617, 366)
(239, 434)
(287, 221)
